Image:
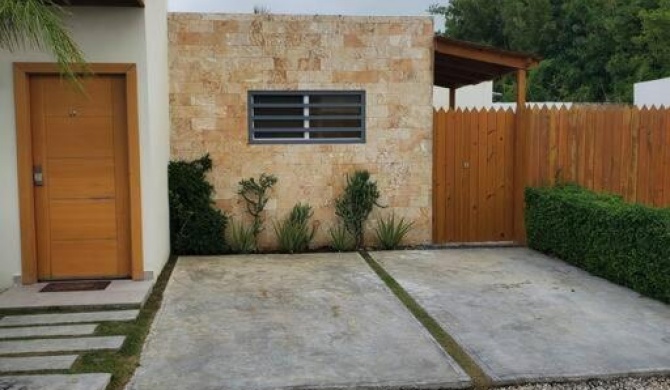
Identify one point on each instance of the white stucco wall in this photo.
(471, 96)
(652, 93)
(156, 149)
(120, 35)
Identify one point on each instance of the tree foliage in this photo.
(594, 51)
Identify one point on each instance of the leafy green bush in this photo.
(196, 226)
(340, 239)
(294, 233)
(242, 239)
(390, 231)
(626, 243)
(355, 204)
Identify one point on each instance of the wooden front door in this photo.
(80, 177)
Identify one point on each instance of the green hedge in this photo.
(628, 244)
(196, 226)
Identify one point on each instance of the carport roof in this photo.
(459, 63)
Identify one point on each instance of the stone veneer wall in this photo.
(216, 58)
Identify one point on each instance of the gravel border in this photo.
(652, 383)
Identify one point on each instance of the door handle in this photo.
(38, 176)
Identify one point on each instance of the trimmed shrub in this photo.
(628, 244)
(196, 226)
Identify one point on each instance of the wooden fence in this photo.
(482, 163)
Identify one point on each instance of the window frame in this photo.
(306, 117)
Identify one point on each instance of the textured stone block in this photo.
(359, 77)
(226, 26)
(199, 124)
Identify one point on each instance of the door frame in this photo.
(22, 73)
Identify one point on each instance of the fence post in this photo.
(521, 156)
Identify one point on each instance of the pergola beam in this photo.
(484, 54)
(471, 73)
(444, 83)
(457, 64)
(459, 78)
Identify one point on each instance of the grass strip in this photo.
(122, 363)
(480, 379)
(61, 310)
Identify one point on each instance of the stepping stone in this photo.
(69, 318)
(36, 363)
(60, 345)
(56, 382)
(45, 331)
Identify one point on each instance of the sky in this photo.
(323, 7)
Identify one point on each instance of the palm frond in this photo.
(38, 24)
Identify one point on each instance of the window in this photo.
(306, 116)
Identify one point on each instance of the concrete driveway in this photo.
(327, 321)
(278, 322)
(525, 316)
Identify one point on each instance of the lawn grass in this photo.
(122, 363)
(480, 379)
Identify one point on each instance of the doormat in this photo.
(76, 286)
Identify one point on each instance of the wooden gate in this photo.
(473, 176)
